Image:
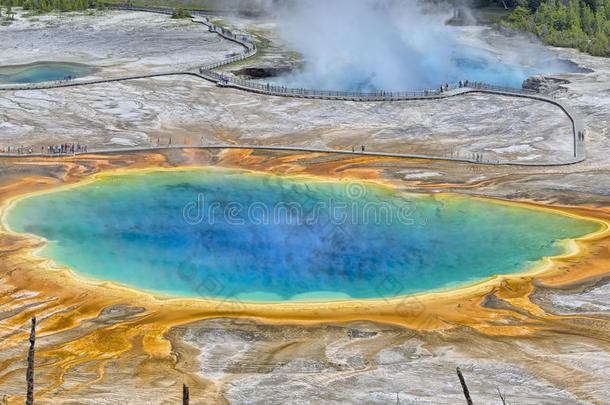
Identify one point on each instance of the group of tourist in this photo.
(228, 33)
(283, 89)
(461, 84)
(63, 148)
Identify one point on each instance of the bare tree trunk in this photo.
(30, 372)
(464, 386)
(185, 395)
(501, 396)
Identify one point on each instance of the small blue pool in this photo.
(44, 72)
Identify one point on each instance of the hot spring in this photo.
(400, 45)
(43, 72)
(233, 234)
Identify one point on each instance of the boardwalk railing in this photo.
(503, 89)
(293, 149)
(272, 89)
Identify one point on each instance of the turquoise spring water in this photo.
(43, 72)
(233, 234)
(356, 78)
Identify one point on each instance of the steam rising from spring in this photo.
(391, 45)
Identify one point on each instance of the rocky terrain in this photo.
(144, 112)
(119, 43)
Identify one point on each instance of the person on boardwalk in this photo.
(363, 148)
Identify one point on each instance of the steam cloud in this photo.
(392, 45)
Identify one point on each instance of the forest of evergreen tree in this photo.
(582, 24)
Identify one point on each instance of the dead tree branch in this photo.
(464, 386)
(30, 372)
(185, 395)
(501, 396)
